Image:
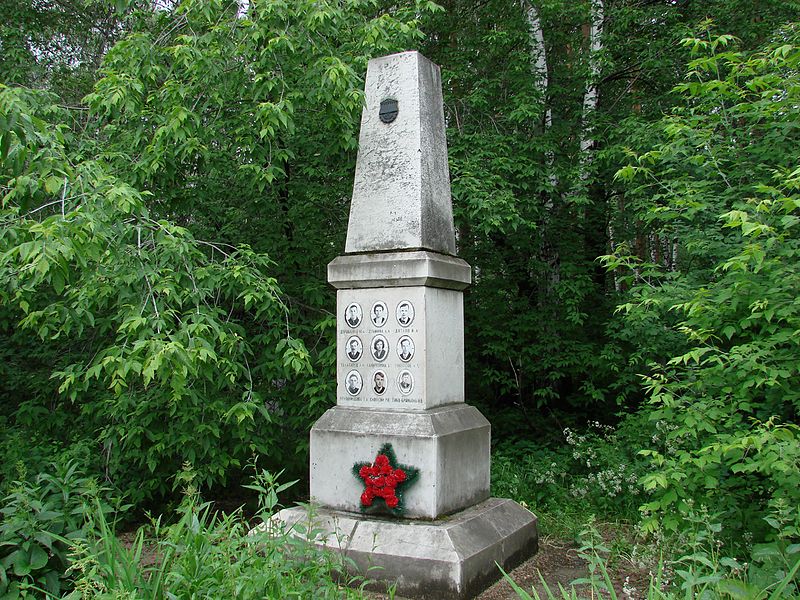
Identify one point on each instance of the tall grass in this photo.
(206, 554)
(700, 573)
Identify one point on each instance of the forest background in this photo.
(175, 176)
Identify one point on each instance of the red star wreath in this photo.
(384, 480)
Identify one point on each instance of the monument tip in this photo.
(401, 194)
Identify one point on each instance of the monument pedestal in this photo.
(401, 442)
(449, 445)
(451, 557)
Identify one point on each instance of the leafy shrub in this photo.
(727, 188)
(25, 452)
(596, 470)
(39, 521)
(165, 374)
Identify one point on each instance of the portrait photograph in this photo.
(405, 348)
(379, 382)
(354, 347)
(379, 314)
(353, 314)
(405, 313)
(353, 382)
(379, 348)
(405, 382)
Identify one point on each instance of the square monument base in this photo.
(450, 445)
(448, 558)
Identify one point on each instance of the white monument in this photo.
(400, 466)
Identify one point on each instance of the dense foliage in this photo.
(145, 242)
(175, 175)
(724, 180)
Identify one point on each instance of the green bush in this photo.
(40, 519)
(165, 373)
(594, 471)
(723, 181)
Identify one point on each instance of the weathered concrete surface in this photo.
(449, 446)
(447, 558)
(394, 269)
(401, 193)
(436, 367)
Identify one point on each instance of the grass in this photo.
(208, 554)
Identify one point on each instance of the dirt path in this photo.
(559, 563)
(556, 561)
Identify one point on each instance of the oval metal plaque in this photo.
(388, 111)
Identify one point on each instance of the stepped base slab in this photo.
(448, 558)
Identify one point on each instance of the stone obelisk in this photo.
(400, 364)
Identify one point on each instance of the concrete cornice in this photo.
(399, 269)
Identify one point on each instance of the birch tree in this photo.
(538, 53)
(591, 95)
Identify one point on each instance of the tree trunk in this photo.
(590, 97)
(541, 80)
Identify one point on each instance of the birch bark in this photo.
(538, 56)
(538, 59)
(590, 97)
(540, 77)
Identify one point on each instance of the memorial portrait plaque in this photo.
(379, 314)
(379, 382)
(353, 382)
(405, 382)
(353, 314)
(405, 313)
(405, 348)
(379, 348)
(354, 348)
